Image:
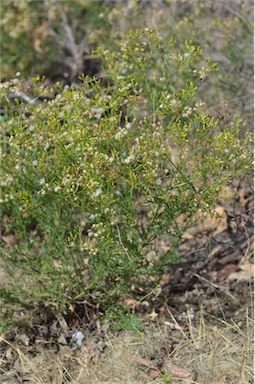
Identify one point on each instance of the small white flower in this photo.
(173, 102)
(31, 128)
(76, 96)
(92, 216)
(128, 159)
(98, 192)
(35, 163)
(42, 181)
(185, 54)
(117, 135)
(61, 115)
(57, 188)
(111, 159)
(18, 74)
(4, 183)
(128, 126)
(97, 111)
(158, 182)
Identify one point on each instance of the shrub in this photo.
(94, 179)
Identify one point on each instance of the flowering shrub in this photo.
(94, 179)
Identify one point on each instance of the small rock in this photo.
(62, 339)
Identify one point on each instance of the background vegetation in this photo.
(55, 39)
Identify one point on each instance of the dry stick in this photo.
(157, 288)
(76, 49)
(214, 285)
(248, 244)
(122, 245)
(176, 323)
(191, 330)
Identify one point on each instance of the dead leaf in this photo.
(139, 306)
(177, 371)
(226, 271)
(10, 239)
(130, 302)
(152, 278)
(154, 374)
(180, 372)
(146, 363)
(244, 272)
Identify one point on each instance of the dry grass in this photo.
(216, 353)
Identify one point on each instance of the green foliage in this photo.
(117, 314)
(95, 179)
(167, 379)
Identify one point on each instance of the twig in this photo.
(122, 245)
(214, 285)
(248, 244)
